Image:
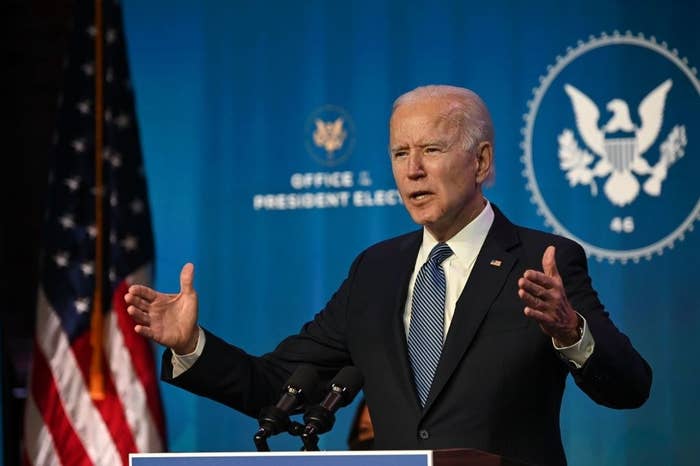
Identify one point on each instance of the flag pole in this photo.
(97, 391)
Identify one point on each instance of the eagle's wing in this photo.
(651, 112)
(337, 127)
(587, 116)
(320, 133)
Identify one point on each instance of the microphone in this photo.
(275, 419)
(320, 418)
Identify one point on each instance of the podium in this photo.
(455, 457)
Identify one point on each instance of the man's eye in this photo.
(400, 154)
(432, 150)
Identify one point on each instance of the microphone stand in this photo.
(310, 440)
(260, 440)
(295, 429)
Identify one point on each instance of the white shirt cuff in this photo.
(578, 353)
(182, 362)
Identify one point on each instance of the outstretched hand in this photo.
(168, 319)
(546, 302)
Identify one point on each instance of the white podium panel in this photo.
(323, 458)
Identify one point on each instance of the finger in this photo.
(143, 292)
(531, 300)
(187, 278)
(541, 317)
(539, 278)
(144, 331)
(138, 302)
(532, 288)
(549, 263)
(138, 315)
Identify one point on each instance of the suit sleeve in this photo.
(615, 375)
(247, 383)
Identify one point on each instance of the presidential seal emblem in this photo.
(610, 146)
(330, 135)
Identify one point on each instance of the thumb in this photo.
(187, 278)
(549, 264)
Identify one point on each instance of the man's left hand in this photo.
(546, 302)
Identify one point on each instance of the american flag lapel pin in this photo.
(496, 262)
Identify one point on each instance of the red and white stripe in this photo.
(63, 424)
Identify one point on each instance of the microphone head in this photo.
(347, 383)
(343, 388)
(303, 383)
(298, 389)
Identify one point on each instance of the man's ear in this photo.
(484, 160)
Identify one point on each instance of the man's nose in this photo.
(415, 165)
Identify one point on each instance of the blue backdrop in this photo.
(230, 95)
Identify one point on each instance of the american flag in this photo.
(93, 394)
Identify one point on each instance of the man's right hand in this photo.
(168, 319)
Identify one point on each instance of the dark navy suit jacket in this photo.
(499, 383)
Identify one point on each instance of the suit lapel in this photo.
(491, 269)
(397, 347)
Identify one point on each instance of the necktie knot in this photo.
(439, 253)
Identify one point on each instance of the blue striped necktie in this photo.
(425, 332)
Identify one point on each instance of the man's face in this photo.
(439, 181)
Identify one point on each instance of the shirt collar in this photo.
(467, 242)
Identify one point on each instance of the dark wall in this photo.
(37, 33)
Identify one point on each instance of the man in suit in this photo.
(464, 331)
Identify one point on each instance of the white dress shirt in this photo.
(465, 247)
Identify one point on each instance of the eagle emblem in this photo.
(329, 135)
(619, 146)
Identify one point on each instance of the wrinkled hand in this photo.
(168, 319)
(546, 301)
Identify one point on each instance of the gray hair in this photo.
(476, 119)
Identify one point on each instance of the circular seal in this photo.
(330, 135)
(609, 146)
